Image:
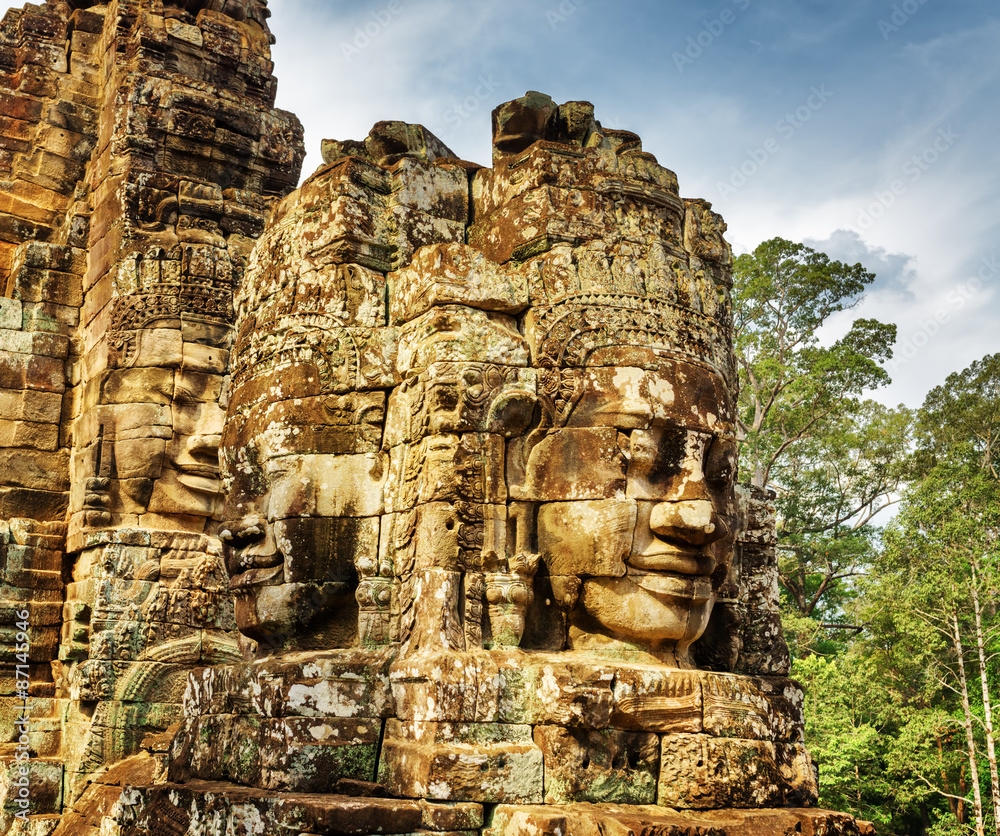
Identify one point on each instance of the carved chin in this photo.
(654, 608)
(297, 615)
(265, 614)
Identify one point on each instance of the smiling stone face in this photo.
(462, 424)
(304, 499)
(189, 482)
(636, 509)
(479, 462)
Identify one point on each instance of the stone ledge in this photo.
(594, 819)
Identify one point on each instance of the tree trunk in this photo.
(953, 802)
(970, 736)
(991, 754)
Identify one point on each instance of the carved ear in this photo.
(566, 590)
(511, 413)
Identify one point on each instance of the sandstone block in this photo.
(327, 548)
(535, 221)
(451, 334)
(502, 765)
(30, 405)
(447, 274)
(754, 708)
(34, 372)
(443, 816)
(11, 313)
(654, 700)
(204, 358)
(589, 538)
(50, 316)
(759, 576)
(549, 690)
(552, 473)
(45, 779)
(701, 772)
(23, 342)
(353, 816)
(414, 229)
(36, 470)
(442, 685)
(312, 754)
(440, 189)
(510, 820)
(301, 487)
(606, 767)
(28, 434)
(764, 652)
(346, 683)
(134, 386)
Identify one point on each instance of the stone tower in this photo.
(401, 502)
(140, 153)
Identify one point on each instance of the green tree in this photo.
(932, 627)
(932, 610)
(830, 487)
(791, 387)
(834, 459)
(961, 418)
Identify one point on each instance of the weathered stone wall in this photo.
(139, 155)
(406, 402)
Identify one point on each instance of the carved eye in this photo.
(721, 463)
(275, 469)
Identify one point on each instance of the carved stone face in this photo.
(158, 465)
(637, 507)
(189, 482)
(304, 498)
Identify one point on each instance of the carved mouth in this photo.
(256, 577)
(672, 585)
(202, 480)
(678, 561)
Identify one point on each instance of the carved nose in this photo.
(248, 544)
(693, 521)
(204, 446)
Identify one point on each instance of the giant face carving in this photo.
(155, 464)
(406, 448)
(304, 495)
(637, 507)
(189, 484)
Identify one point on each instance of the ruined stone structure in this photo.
(476, 559)
(139, 156)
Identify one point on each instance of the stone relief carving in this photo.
(135, 182)
(512, 544)
(481, 540)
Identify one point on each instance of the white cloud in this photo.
(890, 99)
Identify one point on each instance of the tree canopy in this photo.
(807, 431)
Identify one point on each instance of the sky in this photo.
(867, 129)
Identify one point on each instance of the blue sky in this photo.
(866, 128)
